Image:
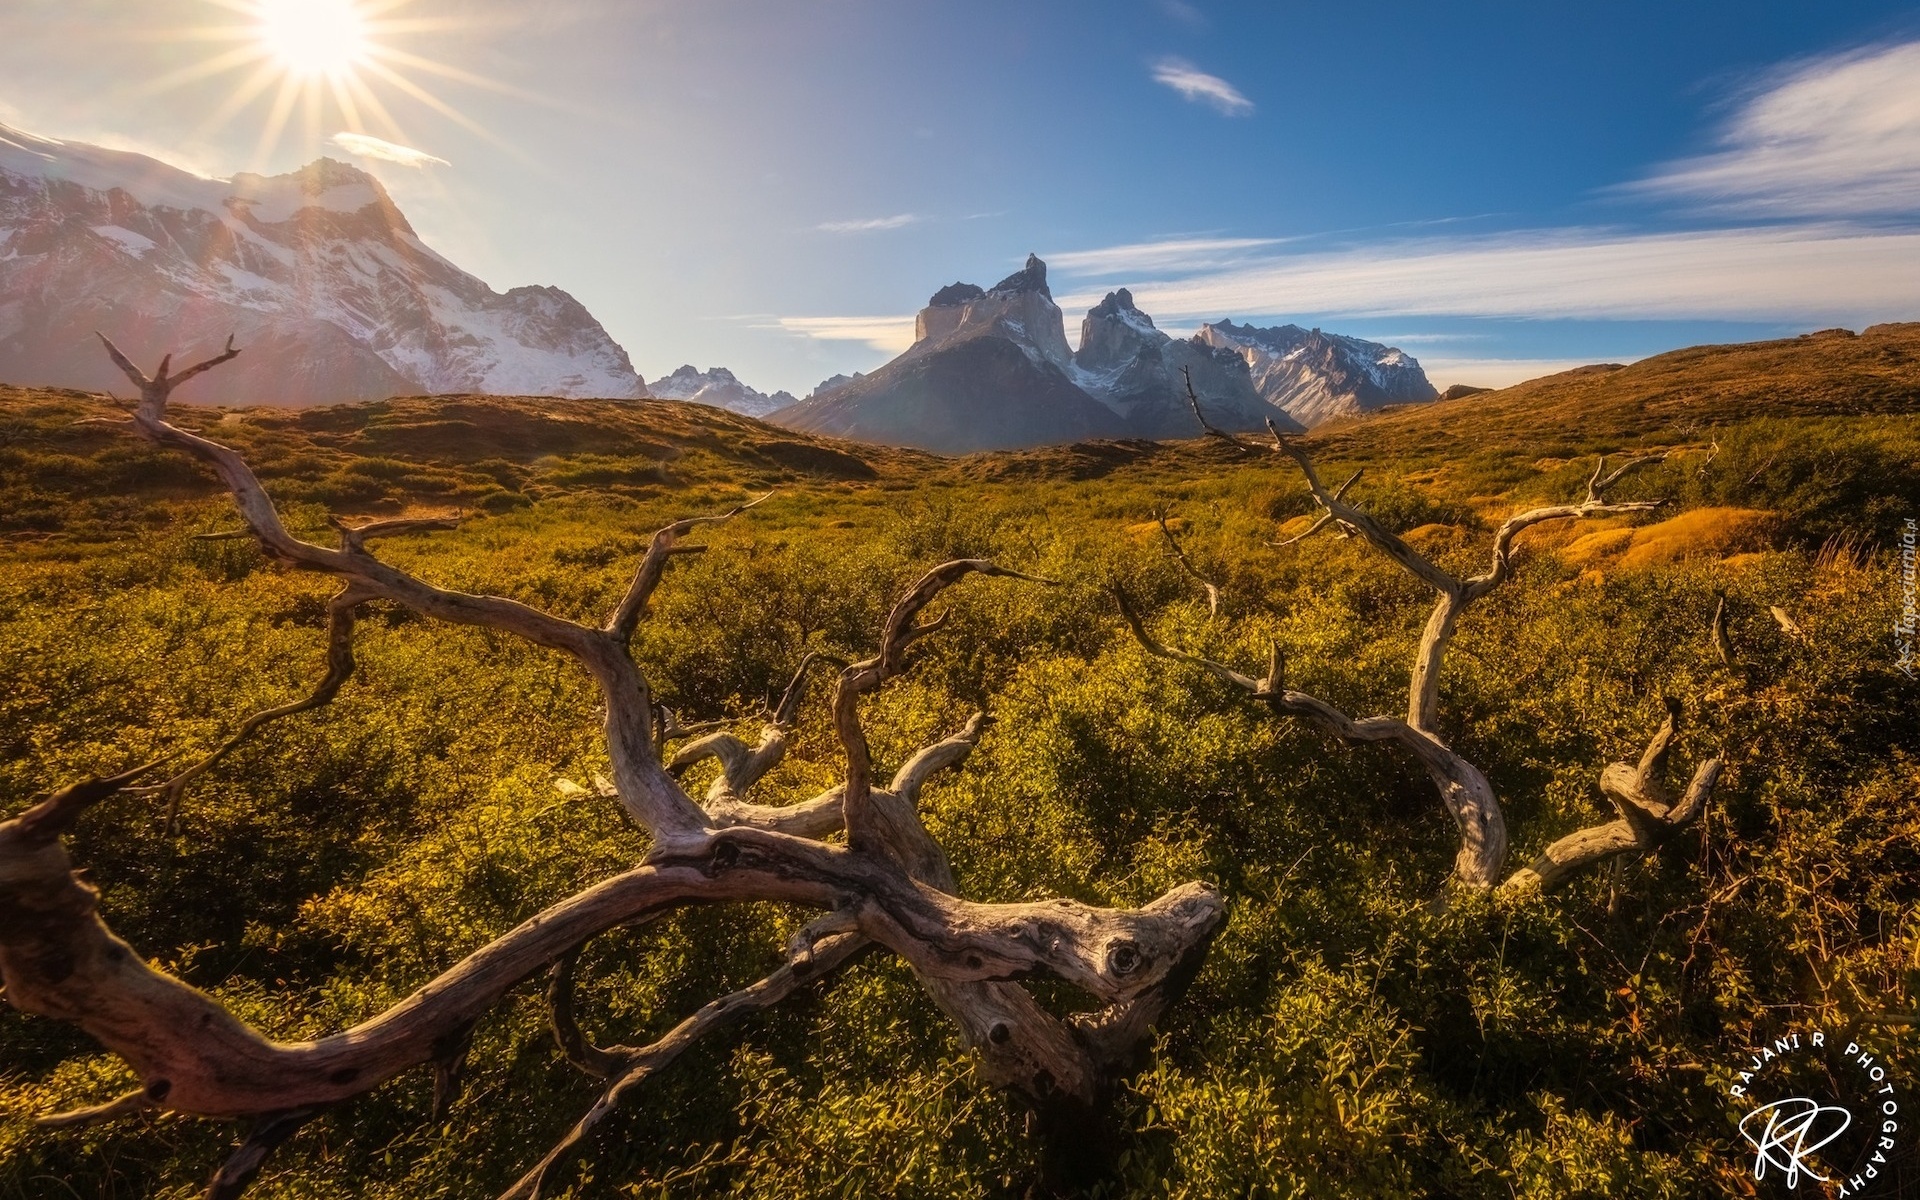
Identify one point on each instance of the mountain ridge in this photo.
(317, 267)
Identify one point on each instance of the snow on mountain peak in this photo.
(316, 266)
(1315, 376)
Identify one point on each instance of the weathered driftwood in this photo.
(888, 887)
(1647, 819)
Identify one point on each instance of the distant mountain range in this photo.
(990, 369)
(718, 387)
(319, 274)
(315, 271)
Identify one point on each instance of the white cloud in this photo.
(1805, 273)
(1838, 136)
(1177, 254)
(367, 146)
(1194, 84)
(870, 224)
(888, 334)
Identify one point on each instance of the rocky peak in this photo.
(1117, 302)
(1019, 308)
(836, 382)
(954, 295)
(1315, 376)
(1030, 278)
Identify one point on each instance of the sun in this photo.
(314, 37)
(334, 62)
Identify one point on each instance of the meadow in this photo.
(1360, 1029)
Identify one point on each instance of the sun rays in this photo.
(322, 64)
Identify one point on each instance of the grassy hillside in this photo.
(1348, 1037)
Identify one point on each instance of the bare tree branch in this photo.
(264, 1135)
(1468, 797)
(1648, 817)
(1180, 556)
(902, 629)
(340, 617)
(132, 1104)
(646, 577)
(632, 1067)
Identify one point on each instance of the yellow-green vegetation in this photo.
(1349, 1036)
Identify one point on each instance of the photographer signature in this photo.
(1789, 1135)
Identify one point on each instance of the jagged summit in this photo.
(1141, 373)
(956, 294)
(1030, 278)
(718, 387)
(1117, 302)
(1315, 376)
(316, 270)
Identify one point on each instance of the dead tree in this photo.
(887, 887)
(1647, 814)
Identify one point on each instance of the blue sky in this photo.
(1501, 189)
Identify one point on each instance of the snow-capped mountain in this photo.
(1315, 376)
(990, 369)
(1141, 374)
(316, 273)
(718, 387)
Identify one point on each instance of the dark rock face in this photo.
(981, 393)
(316, 272)
(956, 294)
(1030, 278)
(834, 384)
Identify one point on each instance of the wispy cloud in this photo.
(1183, 254)
(1801, 273)
(870, 224)
(1194, 84)
(1837, 136)
(367, 146)
(888, 334)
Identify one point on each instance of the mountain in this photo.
(834, 383)
(315, 272)
(718, 387)
(1141, 374)
(990, 369)
(1315, 377)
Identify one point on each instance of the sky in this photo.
(776, 186)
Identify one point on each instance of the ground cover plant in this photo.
(1359, 1027)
